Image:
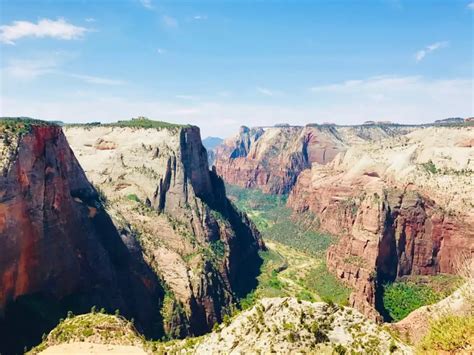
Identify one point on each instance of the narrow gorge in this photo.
(145, 230)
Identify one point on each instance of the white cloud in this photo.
(200, 17)
(90, 19)
(30, 69)
(265, 91)
(27, 69)
(428, 49)
(147, 4)
(470, 6)
(161, 51)
(169, 22)
(187, 97)
(405, 99)
(59, 29)
(96, 79)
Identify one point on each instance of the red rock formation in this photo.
(271, 160)
(60, 249)
(385, 232)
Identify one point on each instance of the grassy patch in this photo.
(451, 334)
(133, 197)
(275, 221)
(268, 283)
(326, 285)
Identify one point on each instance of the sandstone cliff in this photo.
(272, 159)
(402, 206)
(160, 191)
(59, 248)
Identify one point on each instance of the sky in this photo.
(222, 64)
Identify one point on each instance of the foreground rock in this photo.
(284, 325)
(272, 159)
(161, 193)
(59, 248)
(402, 206)
(276, 325)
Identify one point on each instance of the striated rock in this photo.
(60, 249)
(387, 206)
(161, 192)
(272, 159)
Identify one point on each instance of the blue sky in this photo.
(220, 64)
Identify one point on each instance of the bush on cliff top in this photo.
(451, 334)
(143, 122)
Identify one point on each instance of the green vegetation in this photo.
(310, 280)
(133, 197)
(327, 286)
(430, 167)
(143, 122)
(218, 248)
(450, 334)
(268, 283)
(18, 126)
(275, 221)
(403, 297)
(103, 328)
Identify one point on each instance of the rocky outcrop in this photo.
(272, 159)
(288, 325)
(399, 207)
(60, 249)
(161, 192)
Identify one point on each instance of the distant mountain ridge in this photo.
(211, 142)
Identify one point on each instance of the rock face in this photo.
(286, 326)
(272, 159)
(401, 207)
(59, 248)
(161, 192)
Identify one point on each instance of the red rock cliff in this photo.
(60, 249)
(391, 217)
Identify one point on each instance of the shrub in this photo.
(133, 197)
(450, 333)
(402, 298)
(430, 167)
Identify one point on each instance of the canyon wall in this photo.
(161, 192)
(60, 249)
(402, 206)
(272, 158)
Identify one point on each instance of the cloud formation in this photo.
(95, 79)
(470, 6)
(422, 53)
(169, 22)
(58, 29)
(147, 4)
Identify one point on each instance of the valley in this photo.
(339, 257)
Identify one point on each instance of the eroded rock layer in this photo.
(401, 207)
(59, 248)
(272, 159)
(160, 191)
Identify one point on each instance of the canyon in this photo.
(398, 198)
(145, 229)
(129, 218)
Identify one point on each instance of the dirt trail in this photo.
(299, 264)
